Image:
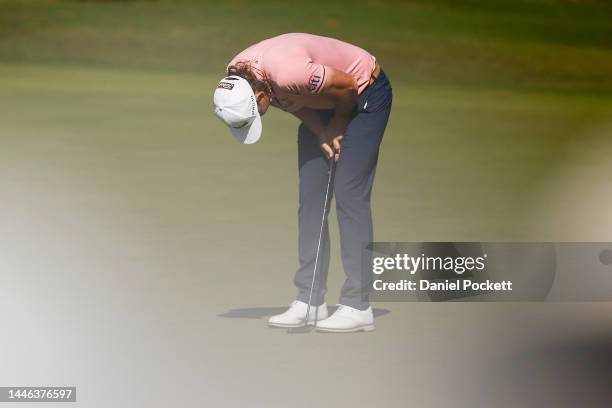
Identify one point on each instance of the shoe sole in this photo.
(368, 328)
(285, 326)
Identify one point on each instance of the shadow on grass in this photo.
(263, 312)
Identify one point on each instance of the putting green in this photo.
(456, 162)
(142, 247)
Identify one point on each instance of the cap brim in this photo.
(248, 134)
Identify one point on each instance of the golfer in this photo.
(343, 99)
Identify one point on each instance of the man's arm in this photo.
(311, 120)
(342, 89)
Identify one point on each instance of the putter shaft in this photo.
(314, 272)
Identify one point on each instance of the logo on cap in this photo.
(225, 85)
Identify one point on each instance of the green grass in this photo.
(561, 45)
(457, 163)
(106, 107)
(130, 219)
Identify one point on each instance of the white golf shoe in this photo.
(296, 315)
(347, 320)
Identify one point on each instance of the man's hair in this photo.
(245, 70)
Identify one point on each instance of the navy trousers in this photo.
(353, 182)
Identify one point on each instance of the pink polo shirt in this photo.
(295, 64)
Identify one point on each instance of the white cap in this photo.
(236, 106)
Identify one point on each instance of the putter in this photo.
(305, 328)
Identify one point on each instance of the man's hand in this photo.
(331, 147)
(336, 141)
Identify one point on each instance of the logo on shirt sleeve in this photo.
(314, 82)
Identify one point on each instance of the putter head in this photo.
(306, 328)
